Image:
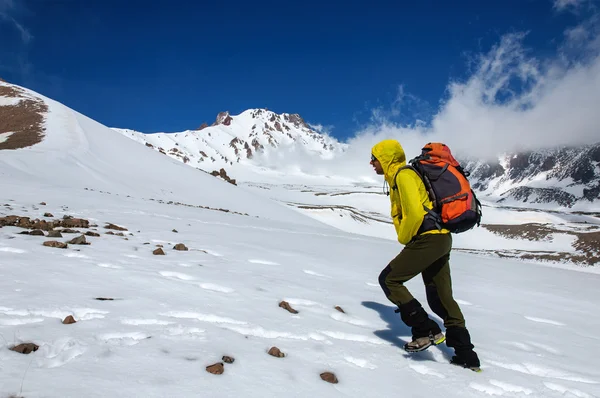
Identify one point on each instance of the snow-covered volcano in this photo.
(231, 139)
(153, 325)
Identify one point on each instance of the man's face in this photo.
(376, 165)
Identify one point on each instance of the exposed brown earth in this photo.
(587, 244)
(24, 120)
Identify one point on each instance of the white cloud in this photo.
(514, 101)
(561, 5)
(321, 129)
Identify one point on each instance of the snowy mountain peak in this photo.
(238, 138)
(565, 176)
(223, 118)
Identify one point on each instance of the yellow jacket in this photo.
(409, 199)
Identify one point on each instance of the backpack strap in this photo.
(395, 186)
(431, 215)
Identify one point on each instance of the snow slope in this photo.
(174, 315)
(81, 153)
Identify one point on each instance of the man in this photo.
(426, 252)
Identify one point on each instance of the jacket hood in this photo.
(391, 156)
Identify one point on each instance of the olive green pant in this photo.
(428, 255)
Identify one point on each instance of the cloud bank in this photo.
(512, 101)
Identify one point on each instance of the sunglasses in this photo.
(373, 158)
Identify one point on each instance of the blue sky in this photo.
(172, 65)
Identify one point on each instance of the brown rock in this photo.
(48, 215)
(75, 223)
(42, 203)
(55, 243)
(80, 240)
(180, 246)
(104, 298)
(174, 230)
(24, 233)
(227, 359)
(25, 348)
(54, 234)
(329, 377)
(10, 220)
(216, 369)
(115, 227)
(274, 351)
(43, 225)
(337, 307)
(90, 233)
(159, 252)
(70, 231)
(69, 320)
(37, 232)
(286, 306)
(110, 233)
(159, 245)
(24, 222)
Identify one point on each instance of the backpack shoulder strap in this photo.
(408, 166)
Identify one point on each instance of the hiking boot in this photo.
(460, 339)
(418, 344)
(437, 339)
(413, 315)
(471, 363)
(423, 343)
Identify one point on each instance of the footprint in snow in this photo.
(542, 320)
(338, 316)
(132, 256)
(309, 272)
(425, 370)
(353, 337)
(265, 262)
(59, 352)
(82, 314)
(565, 390)
(215, 288)
(361, 363)
(545, 347)
(531, 346)
(137, 322)
(500, 388)
(210, 318)
(185, 277)
(542, 371)
(176, 275)
(257, 331)
(19, 321)
(124, 339)
(212, 253)
(108, 265)
(12, 250)
(75, 255)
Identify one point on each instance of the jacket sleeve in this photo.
(411, 205)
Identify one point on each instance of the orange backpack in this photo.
(455, 206)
